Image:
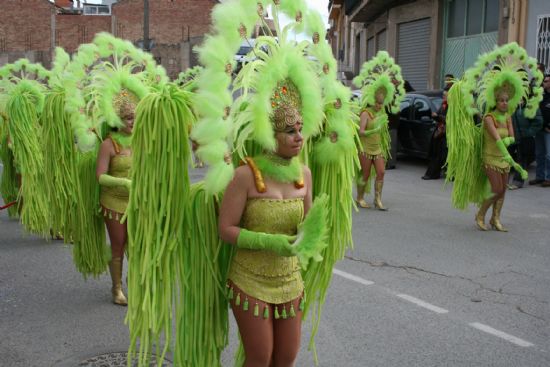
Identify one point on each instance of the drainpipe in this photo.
(146, 25)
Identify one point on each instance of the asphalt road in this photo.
(422, 287)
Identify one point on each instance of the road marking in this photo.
(501, 334)
(423, 304)
(538, 216)
(349, 276)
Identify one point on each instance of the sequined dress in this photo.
(263, 274)
(371, 144)
(115, 199)
(492, 156)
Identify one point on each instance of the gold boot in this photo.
(360, 200)
(495, 219)
(378, 195)
(115, 266)
(480, 216)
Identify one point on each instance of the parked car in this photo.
(243, 54)
(416, 124)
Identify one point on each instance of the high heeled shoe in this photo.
(495, 218)
(115, 267)
(480, 215)
(378, 185)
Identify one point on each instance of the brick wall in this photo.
(73, 30)
(25, 25)
(170, 21)
(175, 26)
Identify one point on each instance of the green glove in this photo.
(111, 181)
(509, 141)
(502, 147)
(279, 243)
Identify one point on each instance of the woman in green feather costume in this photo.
(381, 85)
(24, 85)
(478, 160)
(105, 81)
(282, 97)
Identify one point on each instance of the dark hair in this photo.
(449, 76)
(408, 87)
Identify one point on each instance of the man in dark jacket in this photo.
(523, 150)
(542, 139)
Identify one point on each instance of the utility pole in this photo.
(146, 25)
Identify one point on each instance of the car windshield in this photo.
(244, 50)
(437, 101)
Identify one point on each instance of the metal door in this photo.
(413, 51)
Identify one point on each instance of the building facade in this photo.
(537, 41)
(34, 28)
(432, 38)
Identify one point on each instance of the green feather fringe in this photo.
(464, 158)
(203, 262)
(156, 217)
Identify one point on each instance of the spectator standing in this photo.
(542, 139)
(449, 80)
(523, 149)
(438, 144)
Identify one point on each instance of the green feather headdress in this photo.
(225, 125)
(507, 69)
(98, 73)
(34, 79)
(381, 75)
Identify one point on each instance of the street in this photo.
(422, 287)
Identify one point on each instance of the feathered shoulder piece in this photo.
(104, 77)
(283, 75)
(381, 75)
(507, 69)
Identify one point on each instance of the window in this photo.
(97, 10)
(543, 41)
(405, 108)
(471, 17)
(491, 16)
(457, 13)
(421, 110)
(437, 101)
(474, 18)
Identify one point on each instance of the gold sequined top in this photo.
(492, 156)
(264, 274)
(371, 144)
(116, 198)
